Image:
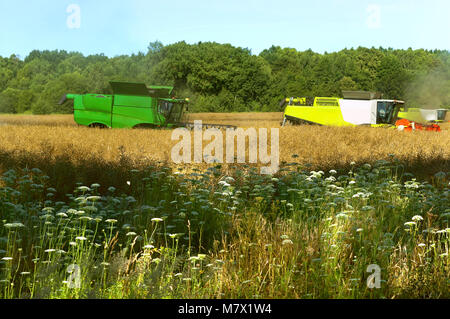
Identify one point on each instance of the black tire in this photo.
(98, 125)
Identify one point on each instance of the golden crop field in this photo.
(56, 140)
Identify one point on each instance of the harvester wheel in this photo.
(98, 125)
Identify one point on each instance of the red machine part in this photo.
(405, 125)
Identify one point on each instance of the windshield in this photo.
(171, 111)
(386, 112)
(441, 115)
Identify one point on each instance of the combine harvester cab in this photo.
(131, 105)
(356, 108)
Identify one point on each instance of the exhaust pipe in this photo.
(63, 100)
(66, 97)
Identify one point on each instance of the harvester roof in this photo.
(140, 89)
(361, 95)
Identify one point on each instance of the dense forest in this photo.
(223, 78)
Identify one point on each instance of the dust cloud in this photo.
(430, 91)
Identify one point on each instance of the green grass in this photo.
(299, 234)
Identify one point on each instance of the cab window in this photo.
(385, 112)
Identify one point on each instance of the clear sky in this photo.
(115, 27)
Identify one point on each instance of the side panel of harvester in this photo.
(134, 105)
(357, 112)
(324, 111)
(129, 111)
(92, 109)
(324, 115)
(342, 113)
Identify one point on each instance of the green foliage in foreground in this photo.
(223, 78)
(206, 235)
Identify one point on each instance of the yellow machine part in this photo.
(323, 115)
(423, 115)
(412, 114)
(326, 101)
(296, 101)
(324, 111)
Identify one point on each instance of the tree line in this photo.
(223, 78)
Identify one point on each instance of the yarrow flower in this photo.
(84, 189)
(93, 198)
(410, 223)
(14, 225)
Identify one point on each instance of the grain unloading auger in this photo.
(356, 108)
(132, 105)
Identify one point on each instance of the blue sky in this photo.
(115, 27)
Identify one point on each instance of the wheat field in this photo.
(318, 146)
(30, 139)
(137, 229)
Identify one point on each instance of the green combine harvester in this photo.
(132, 105)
